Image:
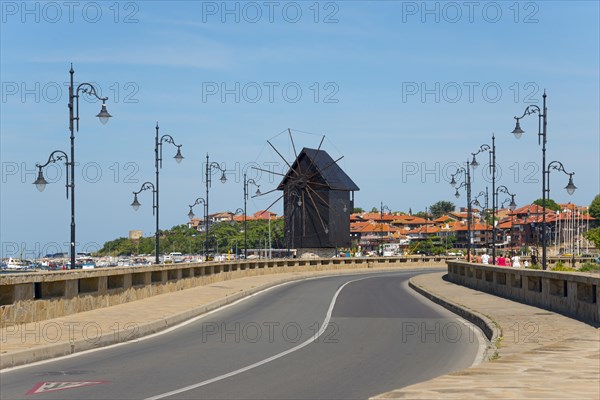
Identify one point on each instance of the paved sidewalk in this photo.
(23, 344)
(538, 354)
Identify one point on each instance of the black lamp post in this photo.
(73, 105)
(238, 211)
(136, 205)
(381, 209)
(191, 215)
(570, 188)
(246, 183)
(209, 167)
(476, 203)
(542, 139)
(467, 185)
(511, 206)
(40, 183)
(158, 147)
(492, 162)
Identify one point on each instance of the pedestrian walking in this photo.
(516, 261)
(485, 259)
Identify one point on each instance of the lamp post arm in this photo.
(53, 158)
(482, 148)
(148, 186)
(530, 109)
(88, 89)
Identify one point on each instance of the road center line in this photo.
(266, 360)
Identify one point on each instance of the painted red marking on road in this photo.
(45, 387)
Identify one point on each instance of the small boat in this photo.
(16, 263)
(88, 263)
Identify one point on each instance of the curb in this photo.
(490, 329)
(41, 353)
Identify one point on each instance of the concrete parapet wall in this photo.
(37, 296)
(573, 294)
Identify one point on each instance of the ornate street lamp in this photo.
(40, 184)
(467, 185)
(512, 206)
(191, 216)
(103, 115)
(381, 209)
(492, 165)
(542, 139)
(209, 167)
(158, 158)
(136, 206)
(257, 193)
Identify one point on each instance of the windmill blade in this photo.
(317, 183)
(317, 210)
(262, 194)
(317, 194)
(266, 170)
(312, 161)
(278, 153)
(273, 203)
(316, 225)
(294, 147)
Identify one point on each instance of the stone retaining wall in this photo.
(572, 294)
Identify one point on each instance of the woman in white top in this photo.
(516, 261)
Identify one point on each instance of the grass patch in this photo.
(589, 267)
(560, 266)
(534, 266)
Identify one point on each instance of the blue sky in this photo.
(403, 90)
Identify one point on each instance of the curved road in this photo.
(340, 337)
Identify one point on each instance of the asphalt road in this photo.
(342, 337)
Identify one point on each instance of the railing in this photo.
(574, 294)
(36, 296)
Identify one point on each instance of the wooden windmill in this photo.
(318, 198)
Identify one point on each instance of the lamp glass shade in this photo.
(512, 205)
(476, 203)
(299, 203)
(474, 163)
(136, 204)
(103, 115)
(258, 193)
(40, 183)
(570, 186)
(518, 131)
(453, 181)
(223, 178)
(178, 157)
(457, 195)
(191, 214)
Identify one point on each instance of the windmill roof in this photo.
(335, 178)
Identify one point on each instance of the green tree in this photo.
(595, 207)
(374, 209)
(357, 210)
(441, 207)
(593, 235)
(550, 204)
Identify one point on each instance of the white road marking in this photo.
(184, 323)
(136, 340)
(324, 326)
